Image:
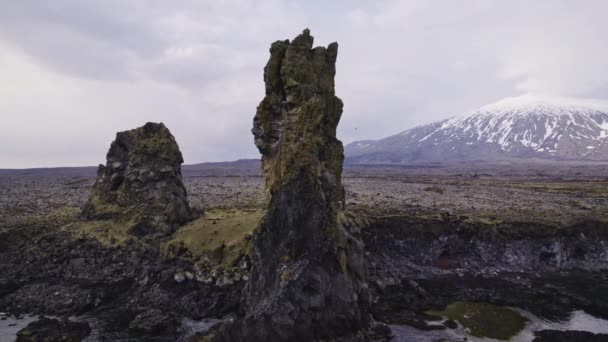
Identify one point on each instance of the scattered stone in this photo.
(52, 330)
(380, 332)
(179, 277)
(141, 183)
(154, 321)
(224, 281)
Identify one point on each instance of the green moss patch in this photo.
(484, 320)
(107, 232)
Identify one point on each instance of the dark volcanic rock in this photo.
(568, 336)
(154, 321)
(7, 286)
(380, 332)
(450, 324)
(308, 276)
(141, 183)
(130, 278)
(52, 330)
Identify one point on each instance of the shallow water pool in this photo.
(101, 331)
(577, 320)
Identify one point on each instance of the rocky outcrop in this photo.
(308, 277)
(120, 281)
(52, 330)
(141, 183)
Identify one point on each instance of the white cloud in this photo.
(80, 71)
(557, 47)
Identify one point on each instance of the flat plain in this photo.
(559, 194)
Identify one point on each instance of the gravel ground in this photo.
(556, 193)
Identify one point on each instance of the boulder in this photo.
(52, 330)
(141, 183)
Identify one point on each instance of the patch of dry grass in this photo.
(107, 232)
(221, 234)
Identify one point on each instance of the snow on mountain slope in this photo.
(519, 127)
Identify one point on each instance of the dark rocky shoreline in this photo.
(548, 274)
(418, 262)
(60, 275)
(410, 273)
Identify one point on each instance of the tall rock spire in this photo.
(308, 277)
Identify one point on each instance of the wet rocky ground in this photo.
(531, 237)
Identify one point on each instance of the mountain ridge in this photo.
(523, 127)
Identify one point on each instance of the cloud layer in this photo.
(76, 72)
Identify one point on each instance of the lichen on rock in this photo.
(141, 183)
(308, 277)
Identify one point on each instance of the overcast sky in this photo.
(75, 72)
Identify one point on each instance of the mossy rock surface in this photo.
(141, 183)
(108, 232)
(224, 235)
(484, 319)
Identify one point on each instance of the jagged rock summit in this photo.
(141, 183)
(308, 277)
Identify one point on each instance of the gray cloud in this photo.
(76, 72)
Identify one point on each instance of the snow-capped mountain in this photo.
(512, 128)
